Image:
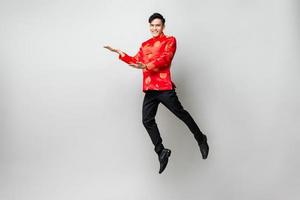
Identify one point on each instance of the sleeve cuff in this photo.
(125, 58)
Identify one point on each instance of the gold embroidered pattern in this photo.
(162, 75)
(148, 80)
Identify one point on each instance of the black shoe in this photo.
(163, 159)
(204, 148)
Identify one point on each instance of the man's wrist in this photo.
(120, 53)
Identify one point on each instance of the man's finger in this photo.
(109, 48)
(134, 65)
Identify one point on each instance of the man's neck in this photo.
(159, 36)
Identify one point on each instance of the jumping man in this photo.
(154, 59)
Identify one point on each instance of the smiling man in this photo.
(154, 58)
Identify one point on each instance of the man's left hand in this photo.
(138, 65)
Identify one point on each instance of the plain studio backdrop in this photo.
(71, 111)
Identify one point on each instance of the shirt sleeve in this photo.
(166, 56)
(132, 59)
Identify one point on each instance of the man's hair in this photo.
(157, 16)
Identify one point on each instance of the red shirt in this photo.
(157, 53)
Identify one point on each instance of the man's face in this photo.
(156, 27)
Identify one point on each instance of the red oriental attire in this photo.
(157, 53)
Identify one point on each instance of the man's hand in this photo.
(139, 65)
(114, 50)
(110, 48)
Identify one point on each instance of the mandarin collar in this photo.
(162, 35)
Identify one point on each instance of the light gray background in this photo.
(71, 111)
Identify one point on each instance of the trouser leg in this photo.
(150, 106)
(170, 100)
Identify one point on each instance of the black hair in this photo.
(157, 16)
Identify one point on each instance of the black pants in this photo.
(169, 99)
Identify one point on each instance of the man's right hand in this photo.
(110, 48)
(114, 50)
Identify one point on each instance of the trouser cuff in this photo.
(159, 148)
